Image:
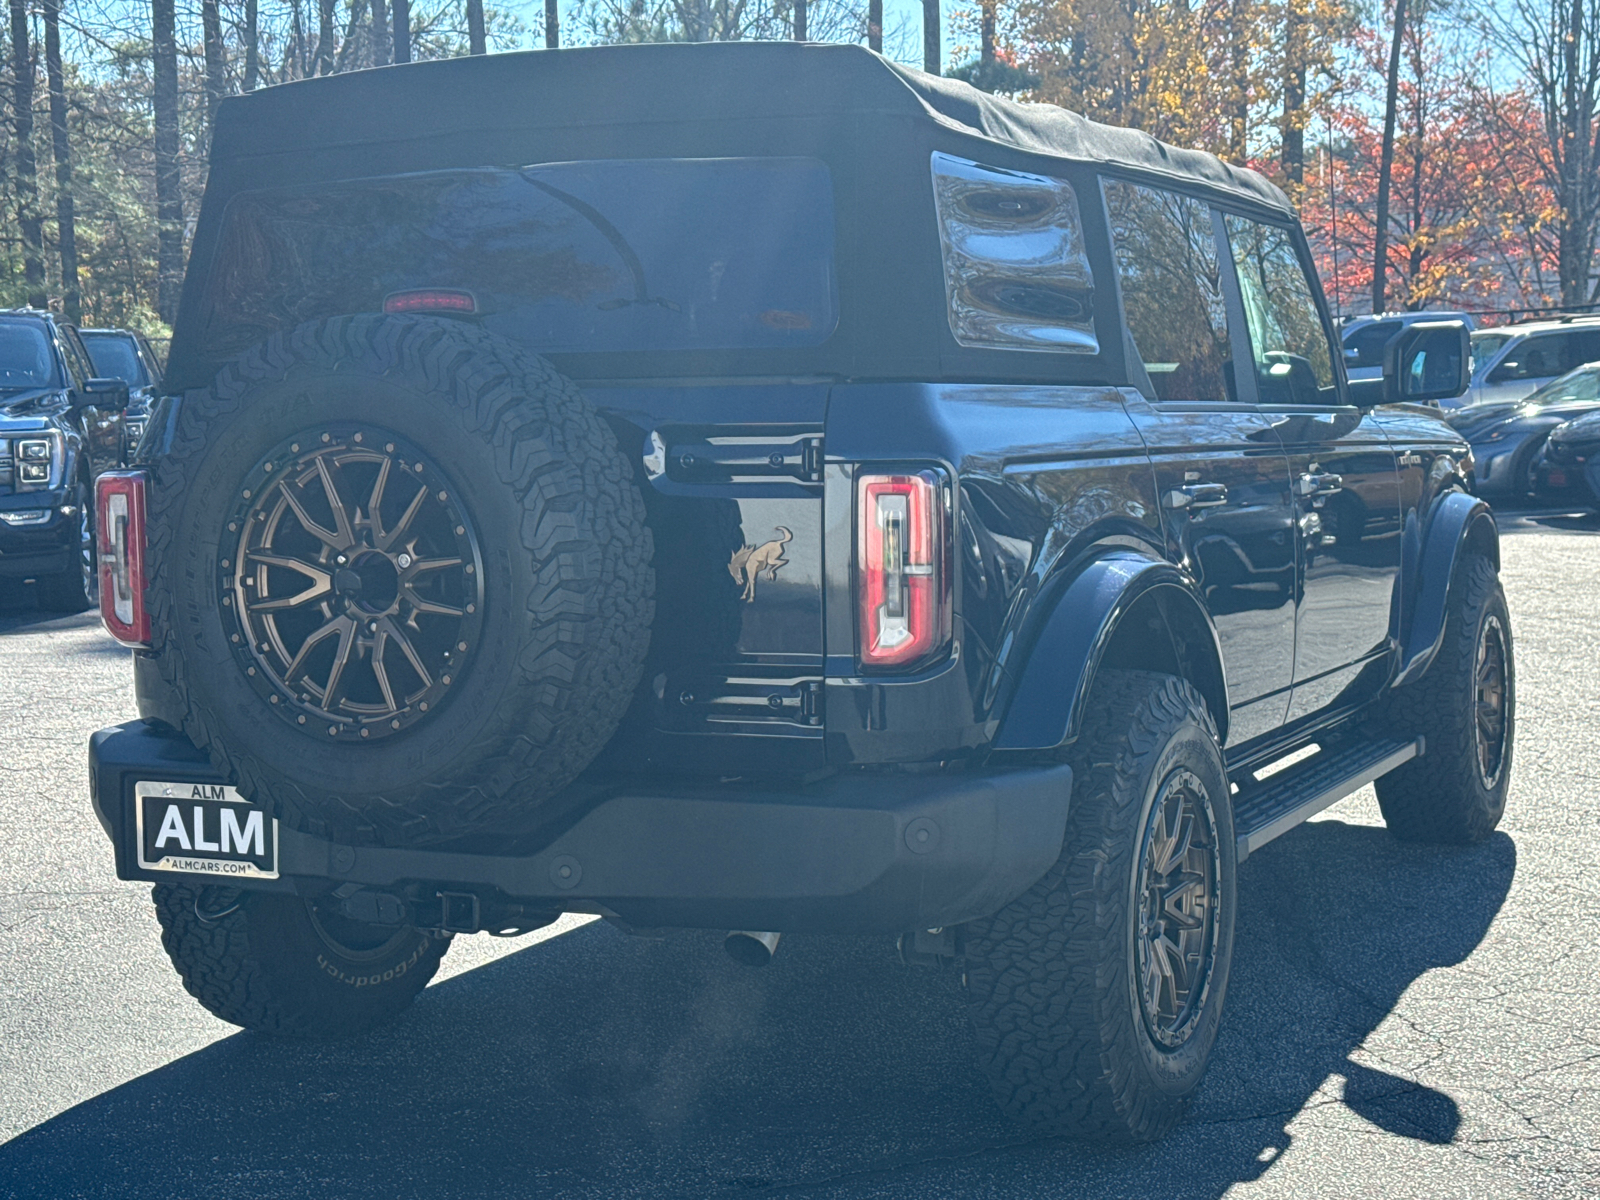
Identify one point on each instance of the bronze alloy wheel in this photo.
(354, 580)
(1489, 700)
(1179, 893)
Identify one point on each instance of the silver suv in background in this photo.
(1513, 361)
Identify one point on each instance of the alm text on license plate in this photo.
(204, 828)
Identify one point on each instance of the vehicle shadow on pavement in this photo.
(598, 1064)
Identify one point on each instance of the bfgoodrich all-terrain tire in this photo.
(1465, 708)
(281, 964)
(1097, 995)
(402, 584)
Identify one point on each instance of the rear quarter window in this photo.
(1016, 271)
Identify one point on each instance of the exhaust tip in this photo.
(751, 948)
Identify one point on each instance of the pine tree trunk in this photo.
(1575, 245)
(930, 36)
(169, 180)
(875, 25)
(1239, 46)
(1294, 92)
(66, 217)
(477, 41)
(324, 37)
(211, 25)
(986, 41)
(1380, 239)
(402, 31)
(252, 47)
(29, 221)
(380, 33)
(799, 20)
(552, 25)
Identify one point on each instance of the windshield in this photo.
(1572, 388)
(654, 254)
(1485, 346)
(114, 356)
(26, 360)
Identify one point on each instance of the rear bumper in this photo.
(878, 853)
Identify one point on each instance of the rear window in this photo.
(655, 254)
(116, 357)
(25, 357)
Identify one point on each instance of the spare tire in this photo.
(401, 582)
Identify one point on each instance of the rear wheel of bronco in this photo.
(1097, 995)
(286, 965)
(1465, 708)
(402, 582)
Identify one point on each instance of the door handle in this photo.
(1196, 495)
(1318, 485)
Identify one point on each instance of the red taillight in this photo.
(119, 538)
(902, 560)
(426, 300)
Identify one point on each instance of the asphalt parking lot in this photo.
(1402, 1022)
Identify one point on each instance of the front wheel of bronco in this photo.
(1465, 708)
(1096, 996)
(290, 966)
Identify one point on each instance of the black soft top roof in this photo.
(664, 84)
(872, 122)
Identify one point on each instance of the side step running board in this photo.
(1270, 809)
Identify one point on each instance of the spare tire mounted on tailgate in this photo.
(402, 575)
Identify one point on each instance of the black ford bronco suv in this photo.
(759, 488)
(61, 424)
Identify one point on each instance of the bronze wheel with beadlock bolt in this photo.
(1096, 996)
(355, 582)
(402, 584)
(1465, 709)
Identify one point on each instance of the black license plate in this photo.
(204, 829)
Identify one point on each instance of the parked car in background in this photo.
(1513, 361)
(1364, 338)
(1507, 437)
(128, 356)
(1569, 467)
(60, 426)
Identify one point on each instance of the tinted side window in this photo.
(1171, 290)
(1540, 356)
(1016, 273)
(1293, 361)
(1368, 343)
(77, 358)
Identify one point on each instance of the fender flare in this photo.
(1052, 691)
(1461, 524)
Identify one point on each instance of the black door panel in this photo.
(1223, 481)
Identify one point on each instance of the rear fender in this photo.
(1461, 525)
(1119, 610)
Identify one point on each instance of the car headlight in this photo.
(36, 460)
(135, 428)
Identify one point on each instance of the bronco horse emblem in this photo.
(749, 561)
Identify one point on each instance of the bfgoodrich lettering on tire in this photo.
(286, 965)
(401, 579)
(1096, 996)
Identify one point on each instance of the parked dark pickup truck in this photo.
(761, 488)
(61, 423)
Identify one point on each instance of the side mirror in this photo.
(1427, 361)
(111, 394)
